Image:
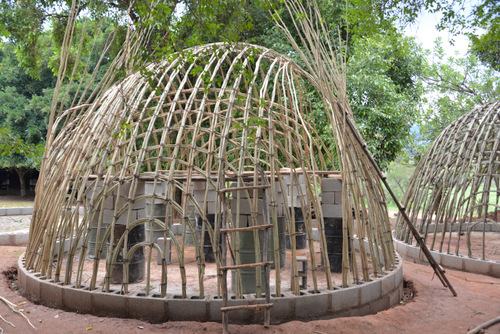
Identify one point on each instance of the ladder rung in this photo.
(248, 265)
(249, 228)
(262, 186)
(244, 307)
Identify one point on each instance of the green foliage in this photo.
(24, 106)
(456, 86)
(15, 153)
(385, 92)
(487, 46)
(398, 176)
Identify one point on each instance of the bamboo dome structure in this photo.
(453, 195)
(141, 185)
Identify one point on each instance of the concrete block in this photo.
(77, 299)
(214, 305)
(414, 252)
(109, 202)
(296, 190)
(108, 215)
(200, 185)
(33, 286)
(282, 307)
(187, 309)
(294, 201)
(399, 276)
(240, 221)
(388, 283)
(51, 294)
(27, 211)
(158, 209)
(495, 269)
(167, 250)
(243, 193)
(360, 311)
(211, 207)
(199, 196)
(331, 210)
(381, 304)
(147, 307)
(370, 291)
(328, 197)
(477, 266)
(331, 184)
(435, 255)
(246, 206)
(401, 248)
(345, 298)
(108, 304)
(452, 261)
(141, 213)
(21, 274)
(140, 188)
(14, 211)
(315, 234)
(338, 197)
(311, 305)
(176, 229)
(240, 316)
(395, 297)
(136, 203)
(256, 220)
(5, 239)
(159, 190)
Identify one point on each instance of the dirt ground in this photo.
(433, 310)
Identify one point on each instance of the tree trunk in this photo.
(21, 173)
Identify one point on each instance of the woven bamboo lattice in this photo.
(214, 116)
(453, 195)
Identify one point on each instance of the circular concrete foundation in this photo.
(371, 297)
(452, 261)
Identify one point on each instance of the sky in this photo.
(425, 32)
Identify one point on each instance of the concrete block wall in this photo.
(331, 197)
(452, 261)
(23, 211)
(246, 201)
(14, 238)
(378, 294)
(199, 188)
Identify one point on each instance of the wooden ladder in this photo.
(224, 267)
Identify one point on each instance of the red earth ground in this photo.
(432, 310)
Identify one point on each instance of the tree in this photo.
(24, 106)
(455, 86)
(383, 71)
(479, 20)
(385, 92)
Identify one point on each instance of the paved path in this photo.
(14, 223)
(14, 226)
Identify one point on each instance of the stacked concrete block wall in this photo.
(199, 190)
(114, 202)
(331, 197)
(296, 191)
(243, 203)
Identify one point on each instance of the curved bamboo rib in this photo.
(456, 185)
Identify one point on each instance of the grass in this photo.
(16, 204)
